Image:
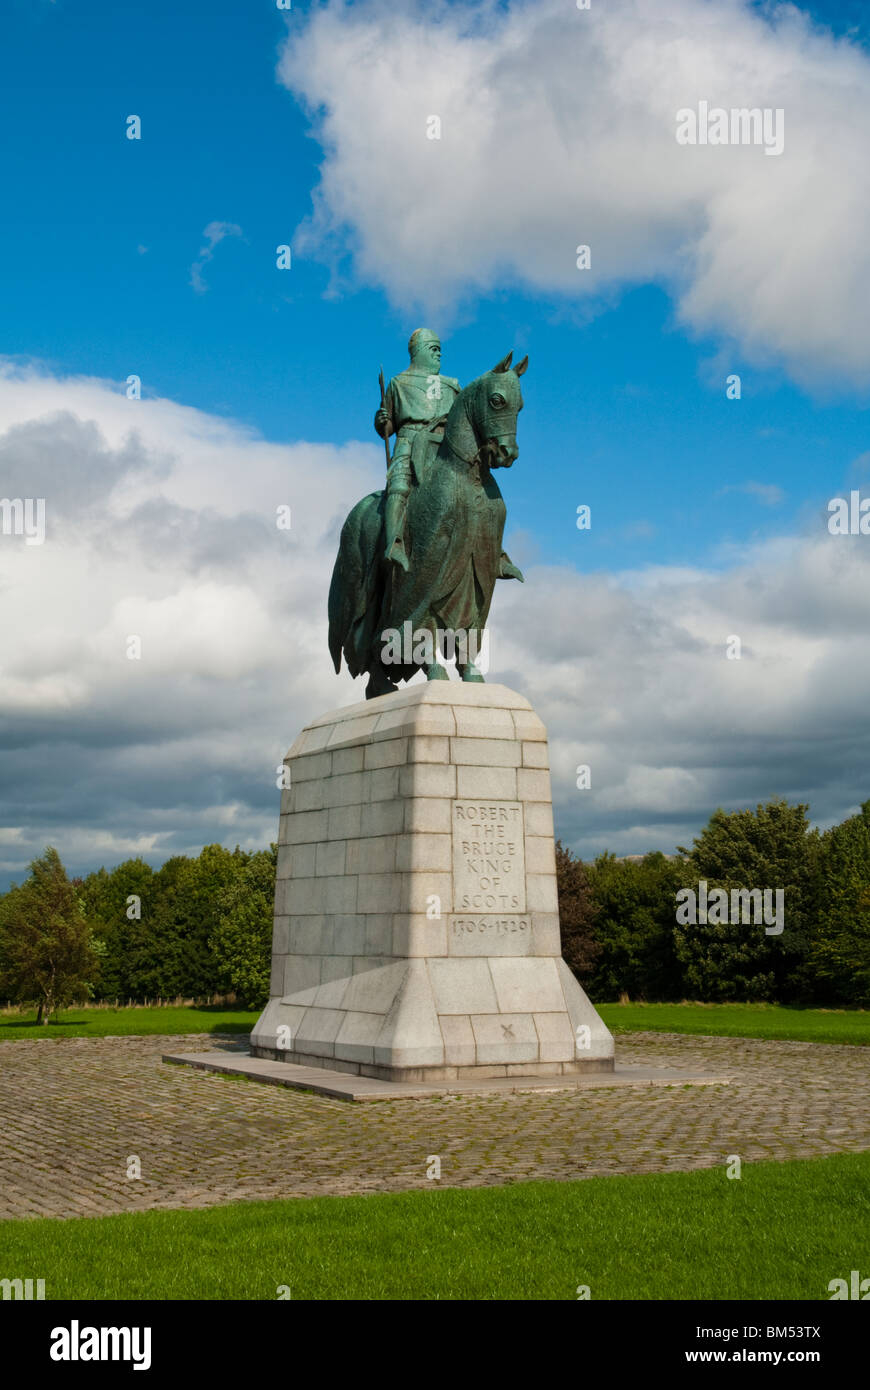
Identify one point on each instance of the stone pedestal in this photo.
(416, 930)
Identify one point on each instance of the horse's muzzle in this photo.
(502, 451)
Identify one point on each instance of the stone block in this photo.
(303, 827)
(372, 991)
(541, 893)
(379, 892)
(384, 783)
(535, 754)
(312, 935)
(299, 896)
(530, 985)
(345, 790)
(462, 986)
(427, 815)
(307, 796)
(372, 854)
(296, 861)
(472, 722)
(355, 1041)
(533, 784)
(459, 1044)
(428, 748)
(330, 858)
(383, 818)
(347, 760)
(349, 934)
(422, 851)
(487, 783)
(504, 1037)
(538, 817)
(281, 936)
(335, 976)
(415, 934)
(427, 779)
(556, 1037)
(345, 822)
(313, 767)
(485, 752)
(379, 934)
(540, 855)
(390, 752)
(527, 726)
(301, 978)
(546, 936)
(317, 1031)
(421, 887)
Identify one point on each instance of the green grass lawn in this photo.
(741, 1021)
(108, 1022)
(724, 1020)
(783, 1230)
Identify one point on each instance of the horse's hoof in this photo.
(471, 673)
(437, 673)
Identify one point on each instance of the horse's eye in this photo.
(496, 401)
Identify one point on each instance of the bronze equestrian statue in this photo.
(417, 563)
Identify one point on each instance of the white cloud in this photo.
(558, 129)
(214, 234)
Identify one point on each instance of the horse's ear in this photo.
(504, 364)
(521, 366)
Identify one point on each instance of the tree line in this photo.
(203, 926)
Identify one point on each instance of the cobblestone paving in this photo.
(72, 1114)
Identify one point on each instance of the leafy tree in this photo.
(839, 956)
(117, 904)
(634, 927)
(174, 954)
(770, 848)
(576, 913)
(47, 953)
(242, 940)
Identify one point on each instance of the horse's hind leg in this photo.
(467, 669)
(379, 683)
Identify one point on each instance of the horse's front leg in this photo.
(434, 670)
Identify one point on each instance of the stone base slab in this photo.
(584, 1067)
(341, 1085)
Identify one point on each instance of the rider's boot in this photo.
(394, 525)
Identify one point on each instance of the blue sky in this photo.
(306, 128)
(625, 412)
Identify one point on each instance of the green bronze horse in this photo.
(454, 528)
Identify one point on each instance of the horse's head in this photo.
(497, 402)
(482, 424)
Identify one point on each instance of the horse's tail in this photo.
(351, 588)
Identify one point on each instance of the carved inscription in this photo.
(489, 866)
(488, 935)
